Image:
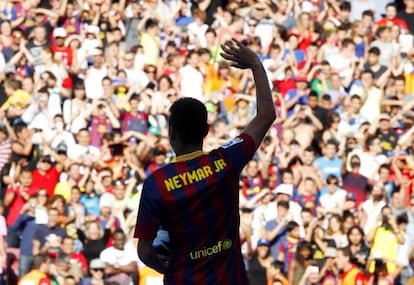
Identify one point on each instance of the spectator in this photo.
(259, 262)
(120, 260)
(25, 224)
(39, 272)
(351, 274)
(97, 270)
(48, 238)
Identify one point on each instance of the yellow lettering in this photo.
(222, 163)
(215, 249)
(169, 184)
(192, 176)
(177, 183)
(183, 177)
(207, 170)
(200, 174)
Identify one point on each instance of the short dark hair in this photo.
(283, 204)
(188, 118)
(38, 260)
(19, 126)
(374, 50)
(346, 251)
(345, 6)
(291, 226)
(368, 13)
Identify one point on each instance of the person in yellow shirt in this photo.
(226, 84)
(18, 100)
(149, 39)
(386, 233)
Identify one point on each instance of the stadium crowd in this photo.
(84, 100)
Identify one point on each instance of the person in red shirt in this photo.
(58, 47)
(45, 175)
(391, 18)
(77, 260)
(17, 194)
(351, 275)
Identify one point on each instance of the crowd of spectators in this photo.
(86, 89)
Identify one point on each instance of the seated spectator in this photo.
(120, 260)
(97, 273)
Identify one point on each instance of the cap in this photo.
(330, 252)
(96, 264)
(62, 148)
(158, 150)
(263, 241)
(350, 197)
(284, 189)
(384, 116)
(92, 29)
(59, 33)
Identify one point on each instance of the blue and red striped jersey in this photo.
(197, 202)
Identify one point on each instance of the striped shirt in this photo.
(5, 153)
(197, 202)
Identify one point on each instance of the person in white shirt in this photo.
(94, 76)
(82, 151)
(371, 209)
(120, 260)
(333, 201)
(191, 78)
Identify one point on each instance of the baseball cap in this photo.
(263, 241)
(96, 264)
(350, 197)
(284, 189)
(59, 33)
(330, 252)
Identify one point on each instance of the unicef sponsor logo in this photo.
(208, 251)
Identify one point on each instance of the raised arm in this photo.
(242, 57)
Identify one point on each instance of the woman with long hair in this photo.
(358, 247)
(93, 238)
(300, 263)
(335, 231)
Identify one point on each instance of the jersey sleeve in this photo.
(239, 151)
(148, 219)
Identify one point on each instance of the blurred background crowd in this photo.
(86, 89)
